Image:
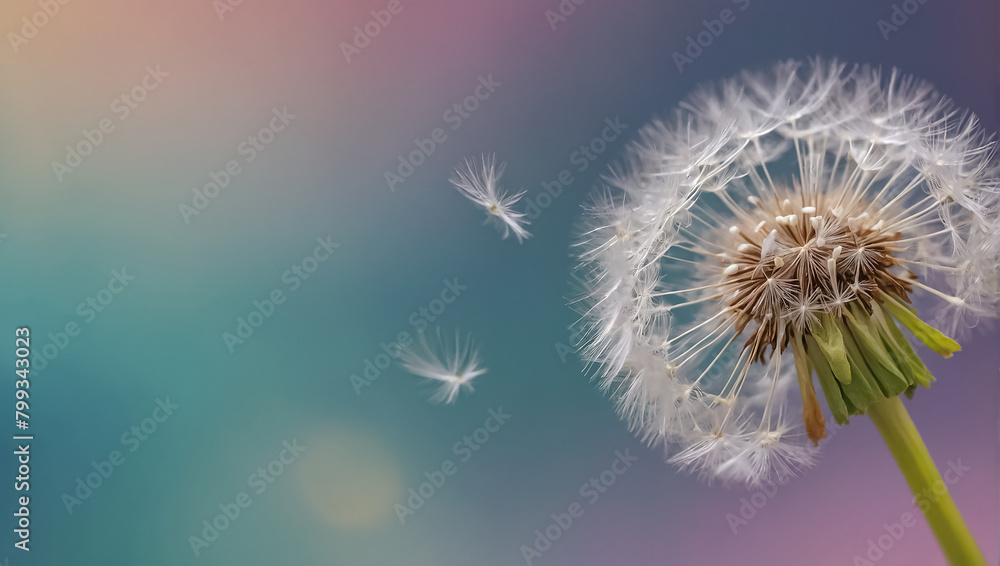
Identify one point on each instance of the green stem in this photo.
(901, 436)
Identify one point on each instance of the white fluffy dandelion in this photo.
(479, 182)
(779, 225)
(451, 364)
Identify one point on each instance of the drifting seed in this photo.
(759, 226)
(778, 262)
(786, 204)
(753, 200)
(816, 221)
(733, 268)
(744, 247)
(734, 230)
(808, 210)
(836, 252)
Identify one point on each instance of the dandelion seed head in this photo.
(768, 210)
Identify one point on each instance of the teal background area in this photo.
(162, 336)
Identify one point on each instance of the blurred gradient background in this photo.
(224, 68)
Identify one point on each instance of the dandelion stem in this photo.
(901, 436)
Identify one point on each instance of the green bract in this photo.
(862, 357)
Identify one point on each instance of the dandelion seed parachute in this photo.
(779, 224)
(451, 364)
(479, 182)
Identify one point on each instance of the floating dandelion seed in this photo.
(452, 364)
(479, 182)
(777, 227)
